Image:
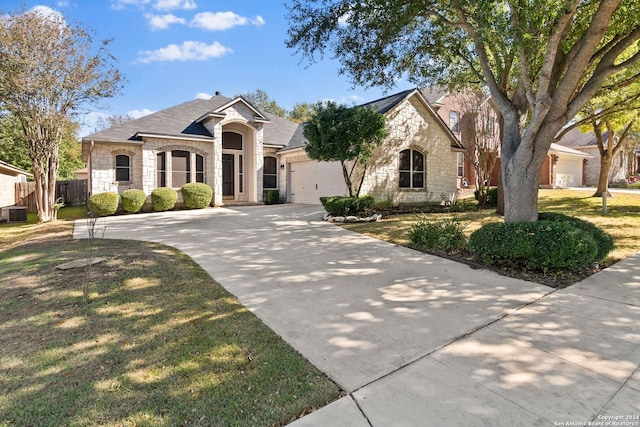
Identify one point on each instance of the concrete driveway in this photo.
(414, 339)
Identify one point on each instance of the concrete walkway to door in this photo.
(414, 339)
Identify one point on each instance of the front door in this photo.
(228, 173)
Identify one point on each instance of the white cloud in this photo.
(188, 51)
(63, 3)
(346, 100)
(51, 14)
(123, 4)
(136, 114)
(221, 21)
(202, 95)
(175, 4)
(162, 22)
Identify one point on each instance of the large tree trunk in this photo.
(603, 177)
(520, 166)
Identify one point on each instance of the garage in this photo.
(569, 166)
(311, 180)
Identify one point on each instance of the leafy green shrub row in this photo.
(271, 197)
(602, 238)
(133, 200)
(541, 246)
(163, 199)
(103, 204)
(342, 205)
(446, 235)
(196, 195)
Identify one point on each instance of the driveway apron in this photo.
(356, 307)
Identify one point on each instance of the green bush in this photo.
(540, 246)
(446, 235)
(133, 200)
(342, 205)
(271, 197)
(163, 199)
(196, 195)
(602, 238)
(491, 197)
(103, 204)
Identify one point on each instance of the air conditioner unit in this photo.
(13, 214)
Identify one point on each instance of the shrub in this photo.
(491, 198)
(271, 197)
(342, 205)
(446, 235)
(163, 199)
(464, 205)
(602, 238)
(196, 195)
(133, 200)
(542, 245)
(103, 204)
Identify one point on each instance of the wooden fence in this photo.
(72, 193)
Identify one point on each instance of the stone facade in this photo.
(412, 126)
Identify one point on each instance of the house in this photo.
(241, 151)
(475, 121)
(624, 164)
(9, 176)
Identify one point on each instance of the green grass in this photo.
(622, 220)
(159, 343)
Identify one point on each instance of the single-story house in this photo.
(241, 151)
(9, 176)
(623, 165)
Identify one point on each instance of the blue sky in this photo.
(172, 51)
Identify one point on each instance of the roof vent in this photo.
(218, 93)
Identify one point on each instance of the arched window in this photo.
(123, 168)
(411, 169)
(270, 173)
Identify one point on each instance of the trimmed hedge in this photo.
(342, 205)
(446, 235)
(163, 199)
(196, 195)
(271, 197)
(602, 238)
(133, 200)
(541, 246)
(103, 204)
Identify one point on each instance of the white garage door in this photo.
(569, 171)
(312, 180)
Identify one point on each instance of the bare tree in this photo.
(480, 136)
(49, 69)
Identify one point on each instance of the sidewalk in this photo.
(571, 357)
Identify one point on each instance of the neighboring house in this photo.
(563, 166)
(241, 151)
(623, 164)
(9, 176)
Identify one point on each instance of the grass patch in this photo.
(622, 220)
(159, 344)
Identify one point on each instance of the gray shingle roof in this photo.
(576, 138)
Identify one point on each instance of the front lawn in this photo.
(159, 344)
(622, 221)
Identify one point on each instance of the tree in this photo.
(70, 153)
(301, 112)
(345, 134)
(262, 101)
(49, 69)
(480, 136)
(13, 147)
(542, 60)
(613, 116)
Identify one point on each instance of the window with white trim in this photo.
(454, 121)
(460, 161)
(411, 168)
